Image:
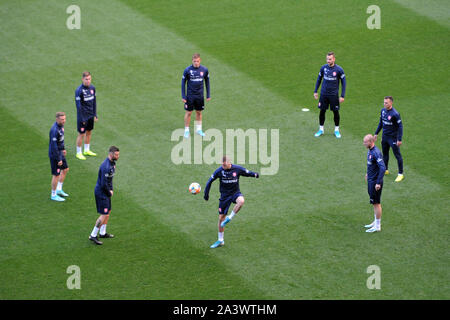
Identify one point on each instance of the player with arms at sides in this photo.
(86, 103)
(374, 178)
(103, 193)
(392, 126)
(331, 74)
(57, 154)
(228, 175)
(194, 75)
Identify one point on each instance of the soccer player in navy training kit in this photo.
(331, 74)
(229, 175)
(86, 104)
(392, 126)
(194, 75)
(374, 178)
(57, 155)
(103, 193)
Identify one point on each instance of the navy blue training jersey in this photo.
(86, 102)
(194, 78)
(56, 143)
(375, 165)
(391, 123)
(229, 180)
(331, 77)
(105, 176)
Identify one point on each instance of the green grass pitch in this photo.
(300, 233)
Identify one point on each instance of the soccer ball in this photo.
(194, 188)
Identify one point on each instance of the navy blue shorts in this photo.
(197, 103)
(83, 126)
(224, 204)
(103, 203)
(329, 101)
(391, 141)
(56, 170)
(375, 196)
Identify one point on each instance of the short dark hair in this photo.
(331, 53)
(390, 98)
(86, 73)
(113, 149)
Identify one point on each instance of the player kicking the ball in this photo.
(229, 192)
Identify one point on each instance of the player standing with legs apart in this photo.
(392, 126)
(194, 75)
(229, 192)
(86, 103)
(374, 178)
(103, 193)
(331, 74)
(57, 155)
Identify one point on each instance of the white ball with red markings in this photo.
(194, 188)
